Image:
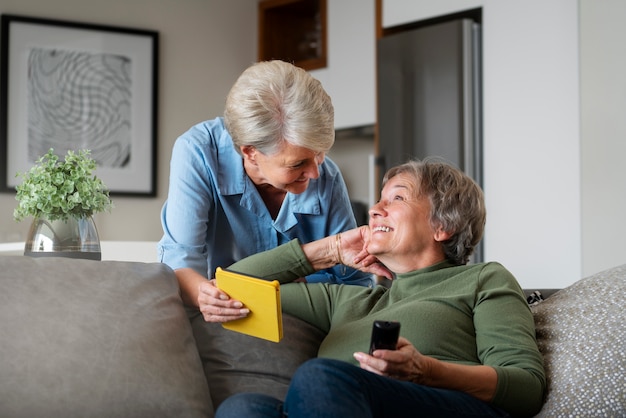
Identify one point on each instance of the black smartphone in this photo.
(384, 335)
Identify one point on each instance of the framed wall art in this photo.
(69, 85)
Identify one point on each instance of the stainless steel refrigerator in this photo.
(429, 101)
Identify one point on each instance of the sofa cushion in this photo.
(98, 339)
(235, 362)
(581, 334)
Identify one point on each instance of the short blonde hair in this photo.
(274, 101)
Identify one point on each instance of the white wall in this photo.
(531, 132)
(354, 155)
(603, 128)
(204, 46)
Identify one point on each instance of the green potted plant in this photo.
(62, 196)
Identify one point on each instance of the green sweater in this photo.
(473, 314)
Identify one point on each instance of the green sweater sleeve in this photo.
(284, 263)
(287, 263)
(509, 345)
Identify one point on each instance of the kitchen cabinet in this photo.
(350, 74)
(293, 31)
(335, 41)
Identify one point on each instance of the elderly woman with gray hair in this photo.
(467, 338)
(255, 179)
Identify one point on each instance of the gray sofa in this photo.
(107, 338)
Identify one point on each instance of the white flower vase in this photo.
(73, 238)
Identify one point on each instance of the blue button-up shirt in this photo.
(215, 216)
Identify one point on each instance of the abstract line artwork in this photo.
(91, 109)
(71, 86)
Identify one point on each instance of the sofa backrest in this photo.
(96, 338)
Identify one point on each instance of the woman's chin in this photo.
(374, 249)
(298, 187)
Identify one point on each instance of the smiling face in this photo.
(290, 169)
(402, 236)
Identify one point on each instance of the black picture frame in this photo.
(70, 85)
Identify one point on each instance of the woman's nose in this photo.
(313, 171)
(376, 210)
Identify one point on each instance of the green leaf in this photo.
(60, 189)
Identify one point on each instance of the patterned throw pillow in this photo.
(581, 332)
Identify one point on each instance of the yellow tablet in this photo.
(262, 297)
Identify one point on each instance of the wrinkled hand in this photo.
(217, 306)
(354, 252)
(404, 363)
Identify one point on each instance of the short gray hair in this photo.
(457, 203)
(274, 101)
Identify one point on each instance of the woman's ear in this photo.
(248, 152)
(441, 235)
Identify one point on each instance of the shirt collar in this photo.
(232, 180)
(231, 176)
